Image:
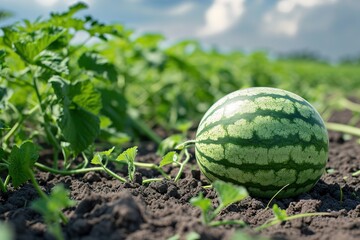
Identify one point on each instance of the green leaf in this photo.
(169, 143)
(229, 193)
(201, 202)
(81, 102)
(279, 213)
(53, 61)
(96, 63)
(169, 158)
(79, 127)
(81, 93)
(129, 156)
(75, 8)
(84, 95)
(51, 208)
(3, 96)
(2, 55)
(21, 161)
(107, 152)
(97, 159)
(29, 45)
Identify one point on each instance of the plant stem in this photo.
(44, 196)
(356, 173)
(114, 175)
(67, 172)
(152, 166)
(7, 180)
(275, 221)
(267, 206)
(185, 144)
(355, 107)
(151, 180)
(182, 165)
(343, 128)
(48, 132)
(2, 186)
(227, 222)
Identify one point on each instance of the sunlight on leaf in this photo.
(279, 213)
(21, 161)
(96, 63)
(51, 207)
(129, 156)
(169, 158)
(229, 193)
(201, 202)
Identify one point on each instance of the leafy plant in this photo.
(280, 216)
(227, 194)
(51, 208)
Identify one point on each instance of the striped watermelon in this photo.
(263, 138)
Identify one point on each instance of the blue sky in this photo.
(327, 27)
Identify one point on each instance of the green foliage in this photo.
(227, 194)
(129, 156)
(280, 216)
(169, 158)
(21, 162)
(81, 104)
(51, 207)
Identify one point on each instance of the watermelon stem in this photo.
(182, 164)
(268, 205)
(185, 144)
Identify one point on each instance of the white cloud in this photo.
(221, 16)
(46, 3)
(181, 9)
(286, 17)
(51, 3)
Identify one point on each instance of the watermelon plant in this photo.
(263, 139)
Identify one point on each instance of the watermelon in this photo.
(263, 139)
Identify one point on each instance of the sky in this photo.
(329, 28)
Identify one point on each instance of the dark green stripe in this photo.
(276, 115)
(257, 185)
(275, 141)
(251, 167)
(252, 98)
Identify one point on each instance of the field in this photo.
(90, 136)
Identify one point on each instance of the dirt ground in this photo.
(108, 209)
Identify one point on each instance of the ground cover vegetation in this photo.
(121, 109)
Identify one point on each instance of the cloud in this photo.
(46, 3)
(287, 15)
(51, 3)
(181, 9)
(221, 16)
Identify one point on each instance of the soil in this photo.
(108, 209)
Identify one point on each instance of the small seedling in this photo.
(51, 207)
(227, 194)
(102, 158)
(280, 216)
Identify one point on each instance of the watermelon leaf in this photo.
(51, 208)
(21, 161)
(205, 206)
(129, 157)
(169, 158)
(229, 193)
(279, 213)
